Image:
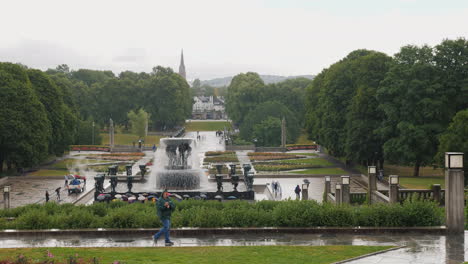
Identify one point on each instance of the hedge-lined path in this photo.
(419, 248)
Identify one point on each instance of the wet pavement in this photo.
(418, 248)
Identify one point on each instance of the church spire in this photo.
(182, 65)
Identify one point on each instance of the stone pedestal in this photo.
(454, 200)
(6, 199)
(372, 184)
(393, 193)
(338, 194)
(327, 188)
(345, 196)
(436, 191)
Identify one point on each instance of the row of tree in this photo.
(101, 95)
(258, 108)
(43, 113)
(370, 107)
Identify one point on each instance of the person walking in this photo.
(298, 192)
(58, 193)
(46, 196)
(164, 207)
(154, 147)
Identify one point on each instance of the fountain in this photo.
(177, 169)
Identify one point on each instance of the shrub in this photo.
(199, 213)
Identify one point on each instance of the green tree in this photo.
(138, 122)
(51, 97)
(268, 132)
(85, 131)
(455, 139)
(167, 98)
(270, 109)
(24, 126)
(363, 143)
(410, 97)
(244, 94)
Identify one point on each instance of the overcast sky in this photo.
(219, 38)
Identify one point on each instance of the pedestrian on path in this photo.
(154, 147)
(298, 192)
(58, 193)
(46, 196)
(165, 206)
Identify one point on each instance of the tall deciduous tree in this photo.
(138, 122)
(455, 139)
(24, 126)
(245, 92)
(51, 97)
(410, 96)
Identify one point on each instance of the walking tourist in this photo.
(164, 207)
(298, 192)
(154, 147)
(46, 196)
(58, 193)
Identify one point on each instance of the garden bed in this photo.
(219, 153)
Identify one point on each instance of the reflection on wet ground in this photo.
(419, 248)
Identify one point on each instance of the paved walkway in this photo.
(418, 248)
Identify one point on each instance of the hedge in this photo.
(196, 213)
(89, 148)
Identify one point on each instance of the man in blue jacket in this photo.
(165, 207)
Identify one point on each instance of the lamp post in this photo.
(454, 192)
(6, 196)
(93, 133)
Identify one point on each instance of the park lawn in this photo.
(207, 126)
(44, 172)
(312, 161)
(305, 154)
(202, 255)
(128, 139)
(421, 182)
(331, 171)
(408, 171)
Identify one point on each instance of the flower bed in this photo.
(118, 158)
(301, 146)
(219, 153)
(282, 167)
(224, 170)
(89, 148)
(278, 157)
(250, 154)
(232, 158)
(126, 154)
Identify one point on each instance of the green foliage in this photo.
(455, 139)
(244, 93)
(138, 122)
(24, 126)
(198, 213)
(85, 133)
(264, 123)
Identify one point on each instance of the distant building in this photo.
(182, 66)
(211, 107)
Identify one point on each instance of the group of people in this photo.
(47, 195)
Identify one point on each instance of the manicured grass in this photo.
(331, 171)
(305, 154)
(45, 172)
(207, 126)
(204, 255)
(408, 171)
(128, 139)
(421, 182)
(312, 161)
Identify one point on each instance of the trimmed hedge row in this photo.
(193, 213)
